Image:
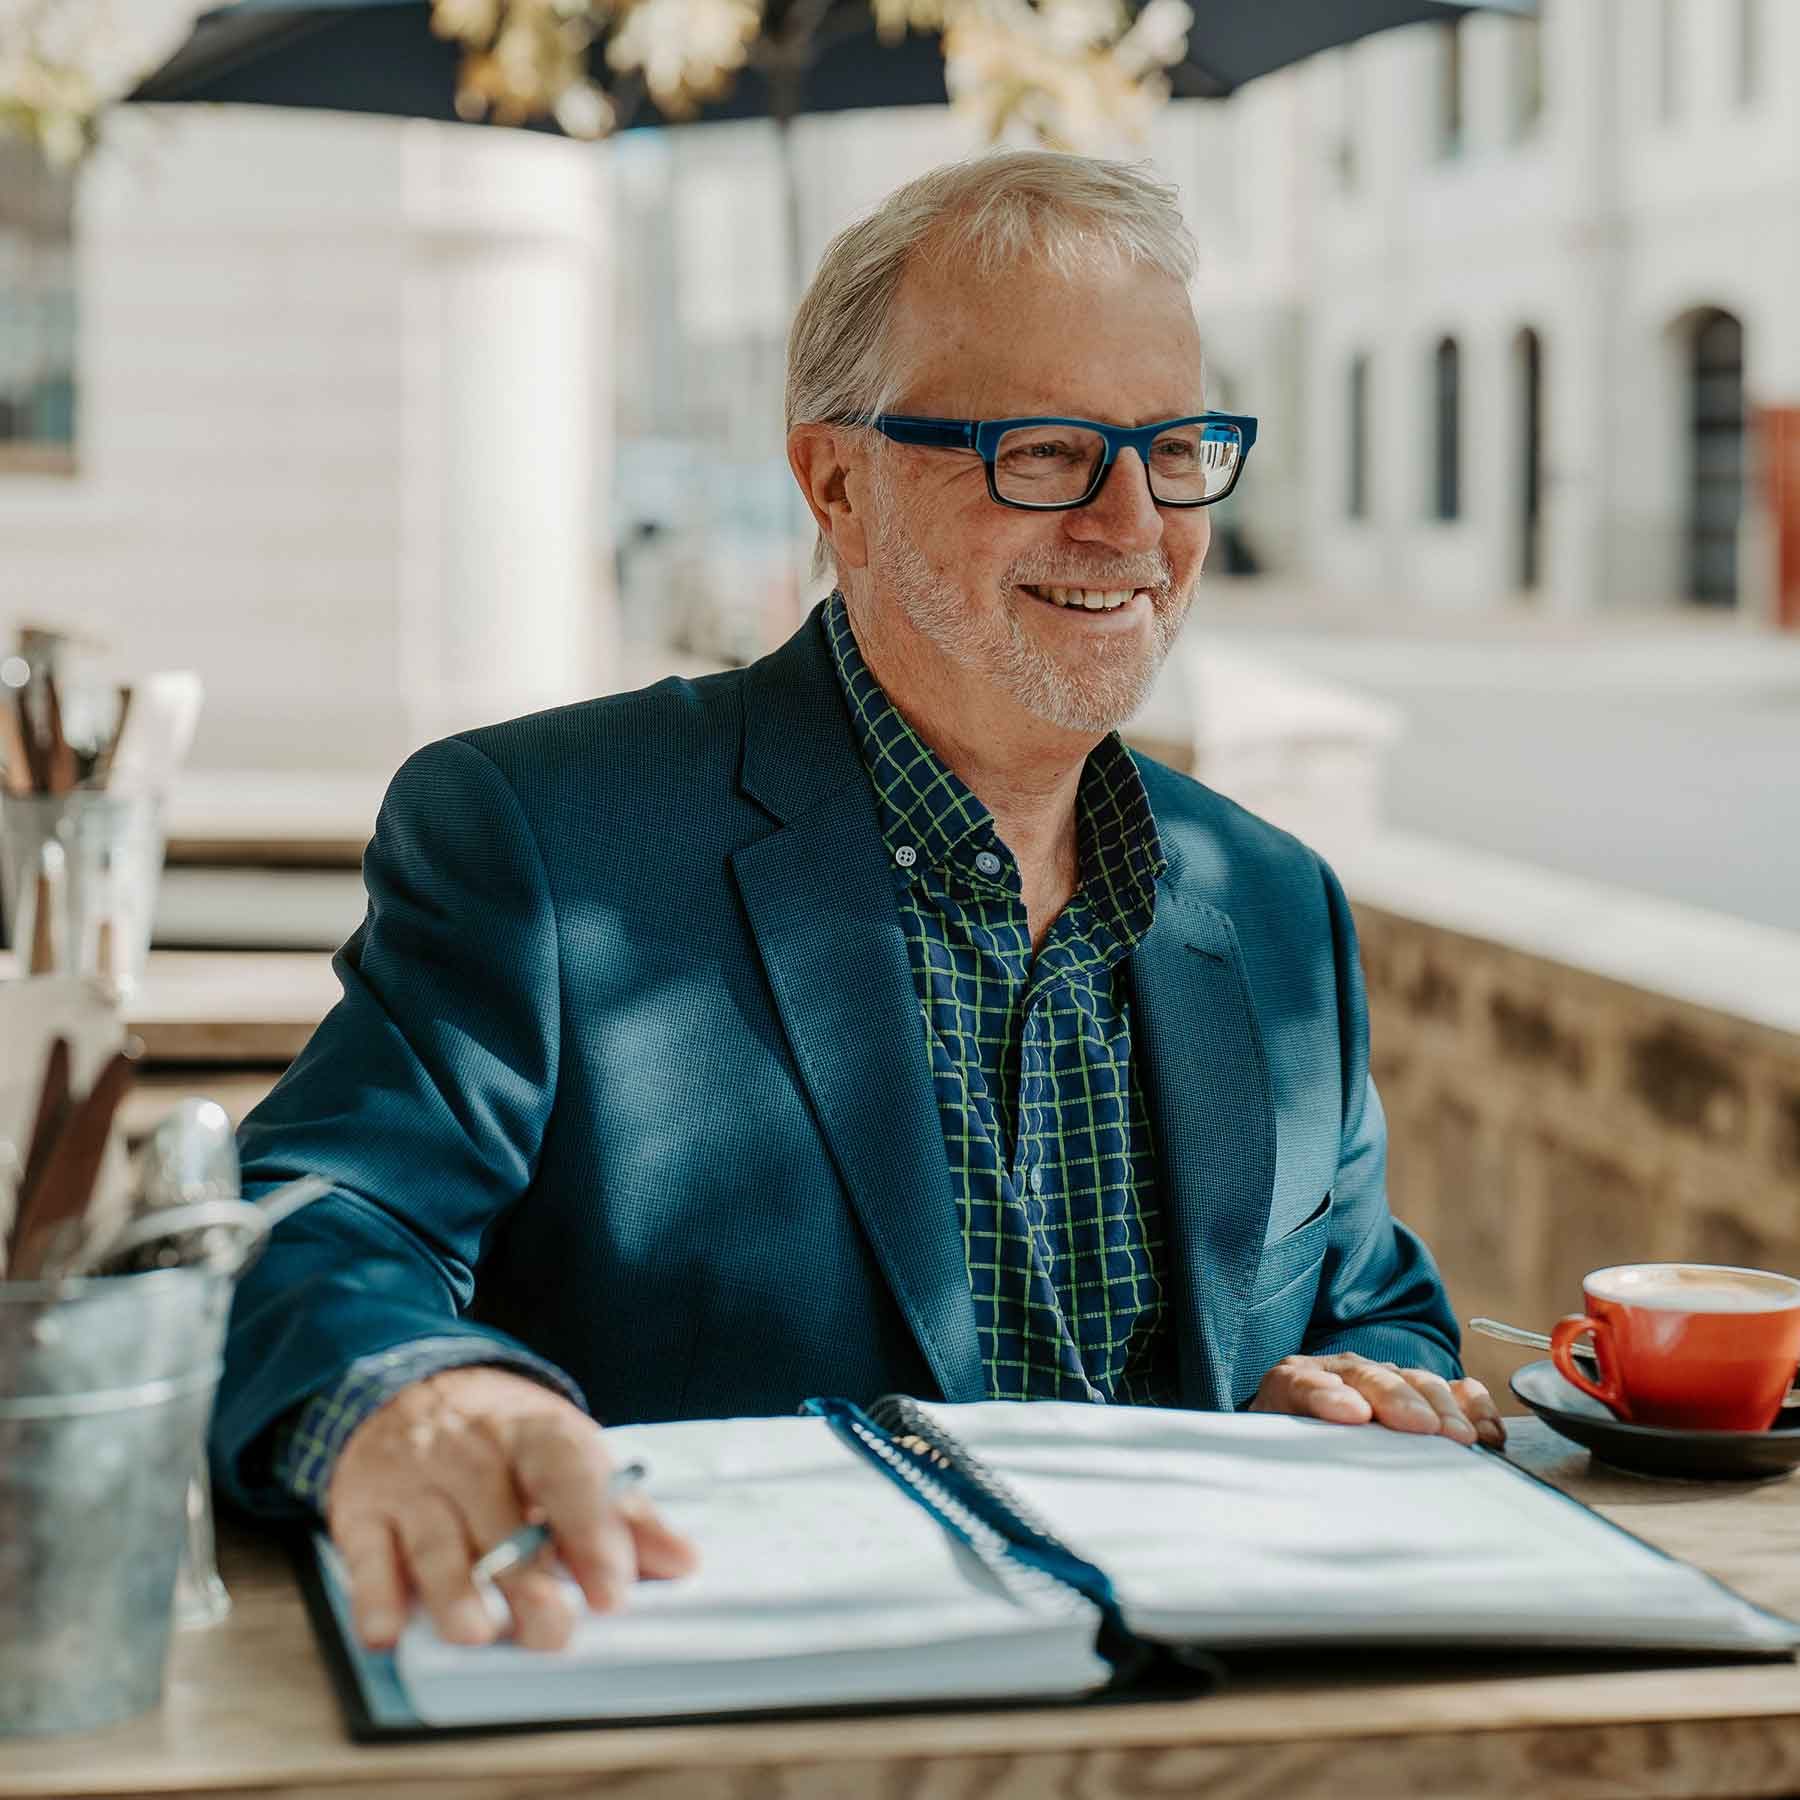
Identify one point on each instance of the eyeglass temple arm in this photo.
(941, 434)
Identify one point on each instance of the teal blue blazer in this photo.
(628, 1072)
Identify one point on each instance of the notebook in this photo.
(922, 1555)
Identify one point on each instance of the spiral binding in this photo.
(904, 1417)
(1029, 1586)
(1028, 1560)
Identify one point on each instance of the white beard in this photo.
(1096, 693)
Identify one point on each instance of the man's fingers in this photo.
(662, 1552)
(472, 1471)
(1453, 1422)
(377, 1581)
(1351, 1390)
(542, 1616)
(1393, 1399)
(1306, 1386)
(439, 1557)
(562, 1468)
(1483, 1414)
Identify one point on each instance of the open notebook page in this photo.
(820, 1583)
(1237, 1529)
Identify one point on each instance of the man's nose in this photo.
(1122, 515)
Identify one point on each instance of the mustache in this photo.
(1150, 571)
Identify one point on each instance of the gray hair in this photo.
(988, 213)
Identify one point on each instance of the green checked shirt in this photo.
(1051, 1158)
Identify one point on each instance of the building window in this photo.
(1668, 60)
(1446, 499)
(1716, 457)
(1749, 49)
(37, 313)
(1356, 489)
(1526, 98)
(1528, 364)
(1450, 91)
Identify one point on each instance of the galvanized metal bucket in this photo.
(105, 1390)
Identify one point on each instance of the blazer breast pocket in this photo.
(1281, 1300)
(1289, 1258)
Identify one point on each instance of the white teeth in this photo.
(1092, 599)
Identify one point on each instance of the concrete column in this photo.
(507, 599)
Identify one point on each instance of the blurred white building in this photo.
(1520, 288)
(1505, 296)
(339, 413)
(325, 406)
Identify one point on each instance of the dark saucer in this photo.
(1650, 1449)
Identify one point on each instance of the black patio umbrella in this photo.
(381, 56)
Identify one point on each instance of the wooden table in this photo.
(249, 1712)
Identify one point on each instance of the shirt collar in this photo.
(925, 806)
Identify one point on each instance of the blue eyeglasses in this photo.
(1051, 464)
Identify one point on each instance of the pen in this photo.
(522, 1545)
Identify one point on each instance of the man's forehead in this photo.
(1109, 343)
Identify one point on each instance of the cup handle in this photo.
(1563, 1338)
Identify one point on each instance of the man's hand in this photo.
(453, 1464)
(1350, 1390)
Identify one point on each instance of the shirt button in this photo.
(906, 856)
(1036, 1178)
(988, 863)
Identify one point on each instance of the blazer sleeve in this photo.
(1380, 1294)
(423, 1097)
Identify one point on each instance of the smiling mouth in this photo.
(1082, 599)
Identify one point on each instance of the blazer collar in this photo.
(819, 895)
(799, 745)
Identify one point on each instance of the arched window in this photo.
(1356, 465)
(1447, 410)
(1716, 459)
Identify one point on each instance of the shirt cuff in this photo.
(305, 1446)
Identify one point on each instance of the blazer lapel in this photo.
(819, 894)
(1206, 1087)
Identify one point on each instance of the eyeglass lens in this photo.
(1042, 465)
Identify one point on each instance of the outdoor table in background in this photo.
(250, 1710)
(221, 1024)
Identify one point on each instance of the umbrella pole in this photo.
(790, 208)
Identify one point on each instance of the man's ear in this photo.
(824, 458)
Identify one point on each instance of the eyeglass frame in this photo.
(983, 437)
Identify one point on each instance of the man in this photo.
(865, 1020)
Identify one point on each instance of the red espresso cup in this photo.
(1691, 1346)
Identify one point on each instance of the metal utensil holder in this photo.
(106, 1386)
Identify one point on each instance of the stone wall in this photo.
(1545, 1121)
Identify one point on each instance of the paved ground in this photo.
(1661, 756)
